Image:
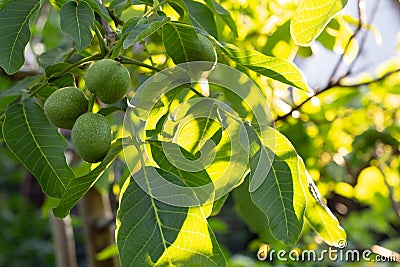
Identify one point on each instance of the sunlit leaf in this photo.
(272, 67)
(151, 233)
(76, 20)
(311, 17)
(318, 214)
(78, 187)
(255, 219)
(38, 146)
(15, 34)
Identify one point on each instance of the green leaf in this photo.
(272, 67)
(318, 214)
(12, 94)
(108, 110)
(63, 81)
(201, 16)
(78, 187)
(254, 218)
(280, 196)
(311, 17)
(15, 34)
(223, 14)
(57, 3)
(151, 233)
(77, 20)
(142, 30)
(181, 42)
(99, 9)
(195, 178)
(38, 146)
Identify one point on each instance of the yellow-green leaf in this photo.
(311, 17)
(318, 214)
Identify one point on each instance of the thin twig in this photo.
(126, 60)
(337, 83)
(363, 40)
(383, 77)
(356, 32)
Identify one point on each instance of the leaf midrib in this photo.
(278, 185)
(38, 146)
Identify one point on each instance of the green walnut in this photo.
(91, 136)
(108, 79)
(64, 106)
(207, 48)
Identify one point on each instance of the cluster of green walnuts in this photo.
(69, 108)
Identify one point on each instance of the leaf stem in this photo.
(339, 84)
(92, 98)
(126, 60)
(76, 64)
(64, 71)
(103, 46)
(37, 90)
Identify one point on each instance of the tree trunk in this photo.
(98, 226)
(64, 242)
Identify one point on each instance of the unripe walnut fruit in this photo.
(91, 136)
(108, 79)
(207, 48)
(64, 106)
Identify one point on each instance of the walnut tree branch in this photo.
(110, 35)
(338, 82)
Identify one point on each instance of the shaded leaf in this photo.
(272, 67)
(99, 9)
(311, 17)
(181, 42)
(109, 110)
(142, 2)
(76, 20)
(254, 218)
(15, 34)
(38, 146)
(13, 93)
(201, 16)
(144, 29)
(78, 187)
(280, 196)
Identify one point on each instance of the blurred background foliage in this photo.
(348, 133)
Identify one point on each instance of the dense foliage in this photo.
(241, 125)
